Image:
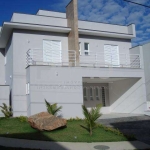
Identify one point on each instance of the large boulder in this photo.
(46, 121)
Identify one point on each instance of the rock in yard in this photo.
(46, 121)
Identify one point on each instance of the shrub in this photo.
(6, 110)
(22, 118)
(52, 108)
(117, 132)
(91, 117)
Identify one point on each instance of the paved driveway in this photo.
(139, 126)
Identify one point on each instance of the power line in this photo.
(137, 3)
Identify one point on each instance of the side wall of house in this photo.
(9, 71)
(146, 63)
(22, 42)
(2, 66)
(9, 62)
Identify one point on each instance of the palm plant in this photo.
(90, 117)
(52, 108)
(6, 110)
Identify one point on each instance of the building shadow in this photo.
(137, 126)
(37, 141)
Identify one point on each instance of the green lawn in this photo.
(72, 133)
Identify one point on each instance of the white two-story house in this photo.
(71, 62)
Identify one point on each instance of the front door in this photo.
(52, 51)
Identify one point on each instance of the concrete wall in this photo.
(128, 96)
(22, 42)
(51, 13)
(63, 85)
(9, 62)
(41, 20)
(106, 27)
(144, 52)
(146, 58)
(2, 66)
(4, 97)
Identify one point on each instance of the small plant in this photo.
(22, 118)
(117, 132)
(52, 108)
(75, 119)
(6, 110)
(91, 117)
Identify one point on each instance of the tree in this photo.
(91, 117)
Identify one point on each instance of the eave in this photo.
(8, 27)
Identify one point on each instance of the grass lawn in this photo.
(13, 128)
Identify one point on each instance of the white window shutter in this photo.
(107, 54)
(111, 54)
(51, 51)
(115, 55)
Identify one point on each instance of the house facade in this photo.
(71, 62)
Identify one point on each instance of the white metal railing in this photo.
(110, 60)
(93, 59)
(53, 57)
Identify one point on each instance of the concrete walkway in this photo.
(45, 145)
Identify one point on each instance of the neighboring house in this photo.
(55, 56)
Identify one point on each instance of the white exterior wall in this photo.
(63, 85)
(144, 51)
(128, 96)
(4, 97)
(2, 66)
(96, 45)
(40, 20)
(106, 27)
(22, 42)
(51, 13)
(146, 64)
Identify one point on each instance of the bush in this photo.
(22, 119)
(6, 110)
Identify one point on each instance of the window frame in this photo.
(80, 49)
(91, 94)
(88, 50)
(27, 88)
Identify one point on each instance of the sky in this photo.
(106, 11)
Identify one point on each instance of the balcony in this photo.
(92, 59)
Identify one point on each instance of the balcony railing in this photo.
(93, 59)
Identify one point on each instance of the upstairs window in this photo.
(86, 48)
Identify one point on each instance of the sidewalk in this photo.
(45, 145)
